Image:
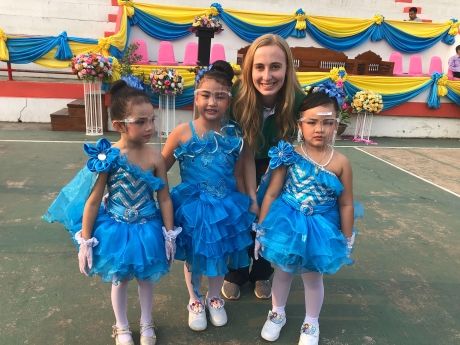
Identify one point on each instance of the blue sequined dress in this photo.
(214, 216)
(128, 225)
(301, 232)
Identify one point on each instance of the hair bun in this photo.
(225, 68)
(117, 87)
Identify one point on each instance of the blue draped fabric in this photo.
(454, 97)
(23, 50)
(434, 101)
(390, 101)
(182, 100)
(250, 32)
(408, 43)
(340, 43)
(159, 28)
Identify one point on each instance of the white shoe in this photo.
(309, 335)
(147, 340)
(197, 316)
(116, 332)
(272, 327)
(217, 313)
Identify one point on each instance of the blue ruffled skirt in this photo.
(128, 250)
(215, 231)
(298, 243)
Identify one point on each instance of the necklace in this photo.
(317, 165)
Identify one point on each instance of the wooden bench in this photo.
(313, 59)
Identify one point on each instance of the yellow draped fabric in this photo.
(340, 27)
(305, 78)
(173, 14)
(4, 55)
(454, 86)
(388, 85)
(262, 19)
(420, 29)
(129, 6)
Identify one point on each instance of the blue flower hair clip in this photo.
(201, 72)
(331, 90)
(133, 81)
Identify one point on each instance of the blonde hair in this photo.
(248, 107)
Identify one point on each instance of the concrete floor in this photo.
(402, 290)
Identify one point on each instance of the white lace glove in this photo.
(350, 243)
(257, 245)
(85, 253)
(170, 241)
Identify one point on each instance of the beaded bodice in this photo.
(208, 162)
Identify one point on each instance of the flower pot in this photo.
(204, 45)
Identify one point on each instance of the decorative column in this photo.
(93, 107)
(204, 44)
(363, 127)
(167, 114)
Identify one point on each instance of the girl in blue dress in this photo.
(306, 219)
(214, 216)
(121, 236)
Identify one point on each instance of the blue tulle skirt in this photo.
(216, 231)
(128, 250)
(299, 243)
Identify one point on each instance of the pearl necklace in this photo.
(317, 165)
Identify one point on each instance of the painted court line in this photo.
(408, 172)
(339, 146)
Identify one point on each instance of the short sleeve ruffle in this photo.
(282, 154)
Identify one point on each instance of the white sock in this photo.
(145, 290)
(314, 296)
(280, 290)
(119, 297)
(313, 321)
(279, 310)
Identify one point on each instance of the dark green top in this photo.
(269, 131)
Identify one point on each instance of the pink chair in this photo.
(166, 54)
(435, 65)
(142, 52)
(190, 54)
(396, 57)
(217, 52)
(415, 65)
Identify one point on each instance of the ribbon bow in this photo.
(442, 85)
(454, 25)
(378, 19)
(301, 19)
(129, 5)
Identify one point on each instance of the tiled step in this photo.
(72, 118)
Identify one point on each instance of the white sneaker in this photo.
(272, 327)
(309, 335)
(197, 316)
(217, 313)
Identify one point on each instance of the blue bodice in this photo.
(208, 162)
(308, 187)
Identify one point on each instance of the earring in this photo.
(299, 135)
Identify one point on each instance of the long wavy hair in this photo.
(248, 107)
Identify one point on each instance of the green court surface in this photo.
(404, 288)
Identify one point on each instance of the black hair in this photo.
(316, 99)
(413, 9)
(457, 48)
(220, 71)
(123, 97)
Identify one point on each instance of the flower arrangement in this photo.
(166, 81)
(368, 101)
(92, 66)
(206, 21)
